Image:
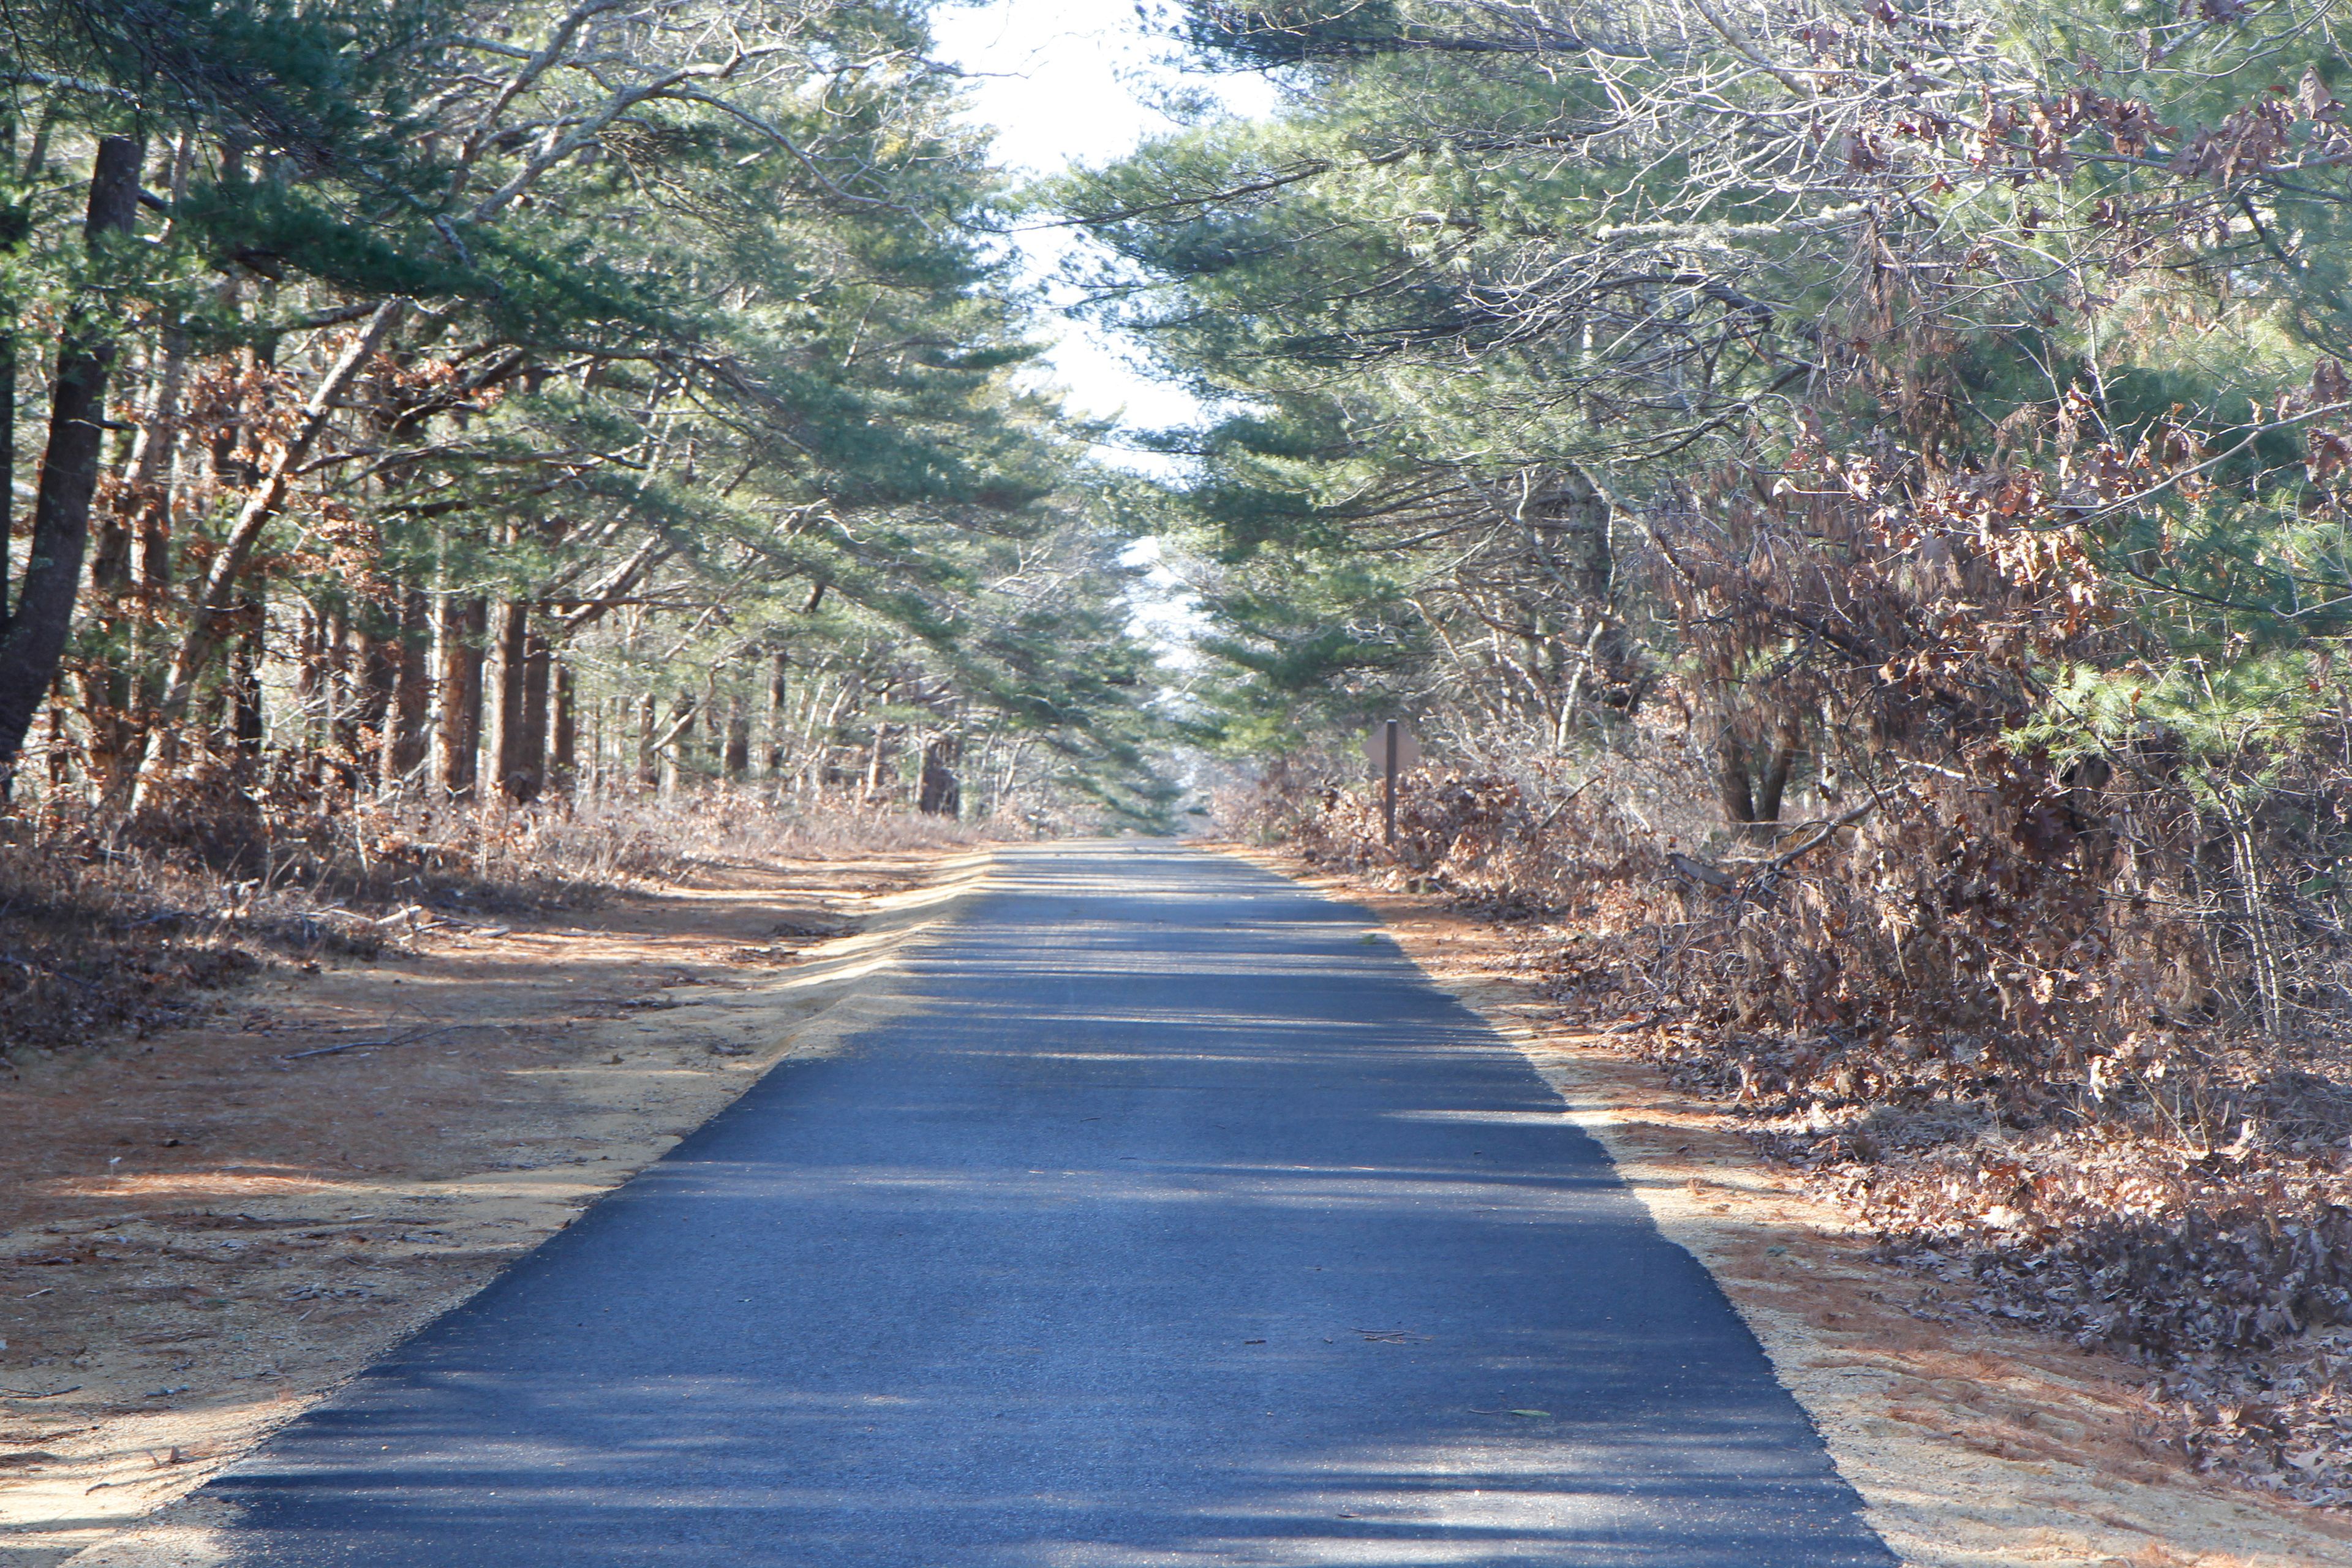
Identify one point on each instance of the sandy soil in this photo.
(202, 1233)
(1972, 1446)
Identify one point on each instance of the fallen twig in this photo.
(367, 1045)
(1780, 863)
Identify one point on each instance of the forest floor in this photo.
(205, 1230)
(1973, 1444)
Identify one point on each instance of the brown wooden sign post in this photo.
(1392, 750)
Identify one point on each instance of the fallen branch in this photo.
(1740, 872)
(1829, 830)
(368, 1045)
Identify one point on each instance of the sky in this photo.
(1069, 81)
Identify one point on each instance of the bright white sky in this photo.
(1064, 82)
(1070, 82)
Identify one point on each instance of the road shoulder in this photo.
(205, 1233)
(1971, 1446)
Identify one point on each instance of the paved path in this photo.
(1185, 1225)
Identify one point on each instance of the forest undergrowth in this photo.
(110, 931)
(2043, 1092)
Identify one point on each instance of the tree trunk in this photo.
(874, 764)
(1753, 803)
(941, 794)
(457, 741)
(1731, 789)
(779, 714)
(502, 724)
(154, 478)
(245, 688)
(152, 563)
(106, 668)
(310, 688)
(738, 758)
(343, 687)
(376, 685)
(563, 736)
(411, 692)
(15, 225)
(648, 775)
(527, 775)
(1773, 782)
(671, 746)
(37, 631)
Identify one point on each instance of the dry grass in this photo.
(2122, 1156)
(120, 929)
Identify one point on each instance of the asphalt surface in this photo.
(1184, 1225)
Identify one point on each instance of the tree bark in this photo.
(502, 695)
(563, 736)
(342, 681)
(1732, 788)
(526, 776)
(15, 228)
(376, 688)
(1753, 803)
(411, 692)
(36, 630)
(874, 764)
(648, 775)
(1773, 782)
(129, 565)
(310, 698)
(779, 713)
(738, 759)
(244, 687)
(941, 794)
(671, 745)
(15, 223)
(457, 742)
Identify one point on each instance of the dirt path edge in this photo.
(113, 1505)
(1971, 1446)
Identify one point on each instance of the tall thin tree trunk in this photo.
(1788, 743)
(412, 692)
(672, 746)
(874, 763)
(563, 736)
(456, 740)
(310, 700)
(527, 775)
(15, 225)
(105, 680)
(502, 724)
(245, 688)
(737, 760)
(646, 774)
(376, 687)
(1731, 786)
(779, 713)
(940, 793)
(345, 692)
(149, 490)
(36, 630)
